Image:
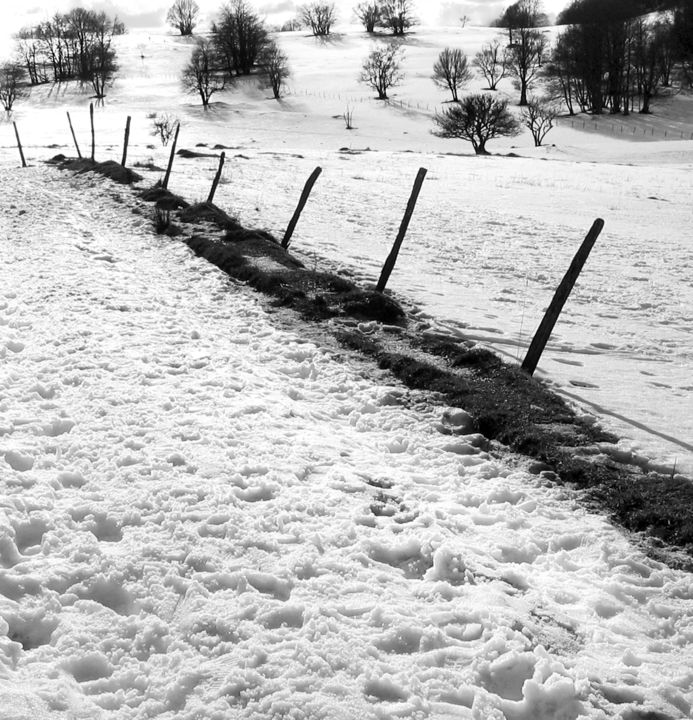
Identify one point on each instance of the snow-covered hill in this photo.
(206, 516)
(491, 237)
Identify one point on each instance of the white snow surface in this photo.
(206, 514)
(490, 238)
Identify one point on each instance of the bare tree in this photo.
(451, 70)
(239, 37)
(527, 44)
(491, 61)
(11, 77)
(291, 25)
(90, 55)
(202, 74)
(31, 55)
(524, 60)
(522, 14)
(319, 16)
(182, 15)
(275, 65)
(478, 119)
(98, 61)
(73, 45)
(368, 14)
(396, 15)
(538, 116)
(649, 59)
(381, 70)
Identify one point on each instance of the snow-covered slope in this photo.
(491, 237)
(205, 517)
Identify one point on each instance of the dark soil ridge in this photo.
(507, 405)
(110, 168)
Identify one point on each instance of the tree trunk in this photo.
(645, 109)
(523, 92)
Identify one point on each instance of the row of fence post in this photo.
(592, 125)
(548, 322)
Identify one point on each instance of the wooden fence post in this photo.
(19, 145)
(299, 208)
(546, 326)
(74, 137)
(392, 257)
(217, 177)
(93, 138)
(125, 143)
(170, 160)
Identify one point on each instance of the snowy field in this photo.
(205, 516)
(490, 238)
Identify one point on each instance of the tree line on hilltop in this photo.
(610, 56)
(76, 45)
(615, 55)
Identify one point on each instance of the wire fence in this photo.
(633, 128)
(353, 99)
(626, 129)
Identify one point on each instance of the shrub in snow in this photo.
(319, 16)
(368, 14)
(349, 117)
(11, 77)
(478, 118)
(163, 126)
(396, 15)
(539, 116)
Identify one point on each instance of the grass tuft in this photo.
(208, 212)
(110, 169)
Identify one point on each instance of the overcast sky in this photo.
(136, 13)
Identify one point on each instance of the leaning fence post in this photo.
(19, 145)
(170, 160)
(299, 208)
(125, 143)
(546, 326)
(74, 137)
(392, 257)
(217, 177)
(93, 138)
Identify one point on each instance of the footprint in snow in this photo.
(14, 346)
(29, 535)
(19, 461)
(31, 629)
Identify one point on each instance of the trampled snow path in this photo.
(205, 517)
